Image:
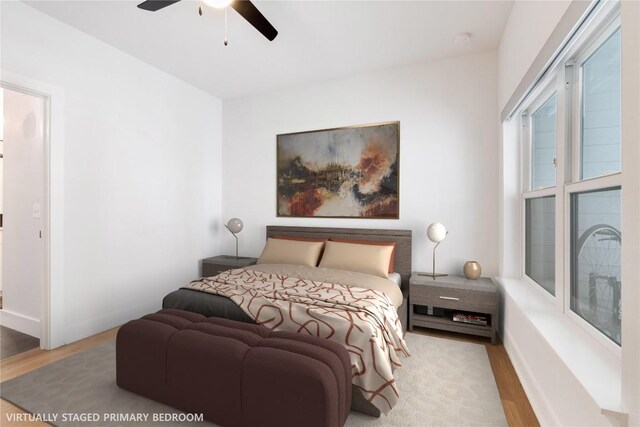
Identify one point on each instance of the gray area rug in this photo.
(443, 383)
(14, 342)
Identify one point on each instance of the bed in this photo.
(217, 306)
(212, 305)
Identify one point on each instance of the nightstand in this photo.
(218, 264)
(434, 301)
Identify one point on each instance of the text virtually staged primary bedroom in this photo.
(319, 213)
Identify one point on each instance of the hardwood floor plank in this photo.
(511, 410)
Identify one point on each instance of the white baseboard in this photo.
(539, 403)
(21, 323)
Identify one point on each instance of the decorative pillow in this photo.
(370, 259)
(392, 261)
(296, 252)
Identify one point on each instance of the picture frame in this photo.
(343, 172)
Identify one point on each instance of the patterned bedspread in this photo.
(364, 321)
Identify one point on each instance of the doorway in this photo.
(23, 209)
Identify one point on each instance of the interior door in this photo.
(23, 204)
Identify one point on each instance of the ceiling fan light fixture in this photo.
(245, 8)
(218, 4)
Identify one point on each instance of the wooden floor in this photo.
(514, 401)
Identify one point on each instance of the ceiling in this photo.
(317, 41)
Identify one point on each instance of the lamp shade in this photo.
(436, 232)
(235, 225)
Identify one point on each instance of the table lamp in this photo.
(436, 233)
(235, 225)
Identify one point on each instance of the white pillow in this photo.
(281, 251)
(368, 259)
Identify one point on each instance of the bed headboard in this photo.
(401, 237)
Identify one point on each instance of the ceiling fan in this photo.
(245, 8)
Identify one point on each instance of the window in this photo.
(571, 193)
(595, 259)
(601, 110)
(540, 130)
(543, 144)
(540, 262)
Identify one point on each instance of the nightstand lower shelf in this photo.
(446, 324)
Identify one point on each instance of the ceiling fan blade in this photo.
(251, 13)
(154, 5)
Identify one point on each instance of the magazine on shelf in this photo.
(475, 319)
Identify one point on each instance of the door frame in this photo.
(52, 304)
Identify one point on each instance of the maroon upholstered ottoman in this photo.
(235, 373)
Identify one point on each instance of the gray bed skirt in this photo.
(209, 305)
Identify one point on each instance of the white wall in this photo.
(631, 210)
(141, 167)
(448, 153)
(23, 256)
(528, 28)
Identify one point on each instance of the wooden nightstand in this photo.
(218, 264)
(434, 301)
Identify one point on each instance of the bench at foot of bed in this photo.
(234, 373)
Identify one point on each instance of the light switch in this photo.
(36, 211)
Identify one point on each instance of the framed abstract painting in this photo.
(349, 172)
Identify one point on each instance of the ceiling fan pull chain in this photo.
(226, 41)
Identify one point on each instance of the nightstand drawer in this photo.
(461, 299)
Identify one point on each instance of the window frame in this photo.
(551, 84)
(589, 42)
(565, 78)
